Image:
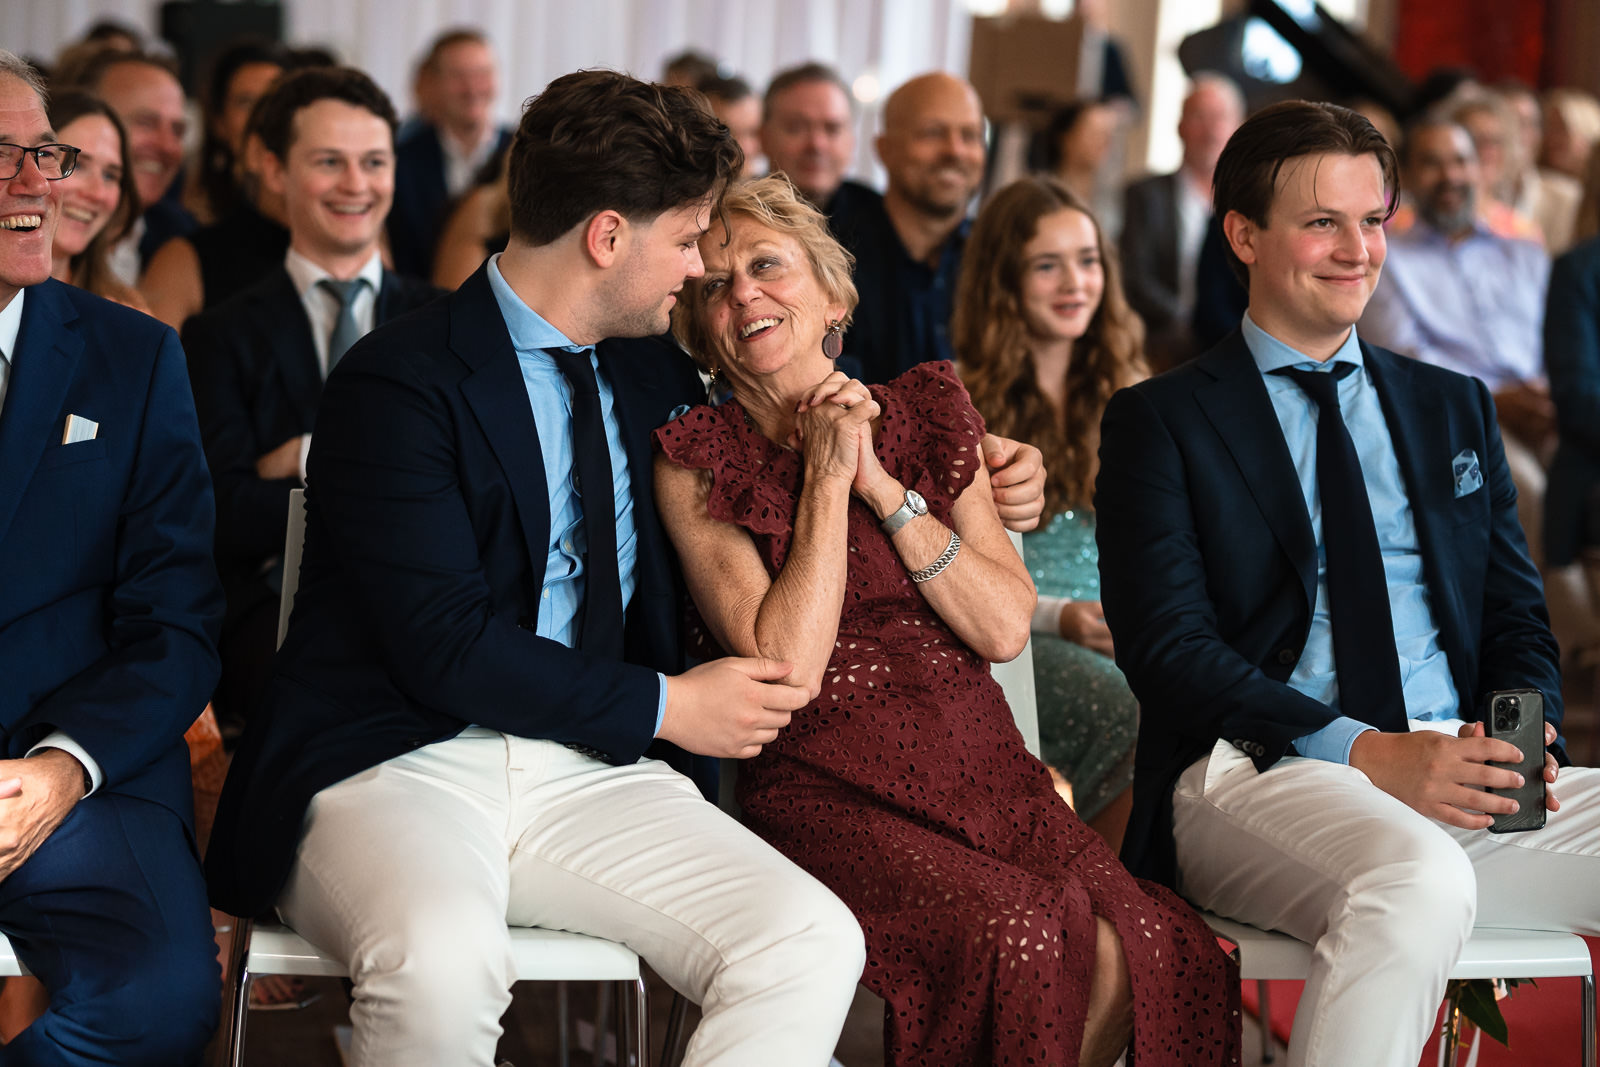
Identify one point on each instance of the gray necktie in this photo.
(346, 331)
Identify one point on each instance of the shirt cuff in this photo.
(305, 450)
(1332, 742)
(57, 739)
(661, 704)
(1047, 616)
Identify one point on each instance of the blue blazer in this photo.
(109, 603)
(1208, 566)
(1572, 360)
(428, 524)
(421, 200)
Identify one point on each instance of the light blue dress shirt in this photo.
(1473, 305)
(550, 396)
(1424, 670)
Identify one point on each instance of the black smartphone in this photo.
(1517, 716)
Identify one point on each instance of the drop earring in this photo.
(833, 340)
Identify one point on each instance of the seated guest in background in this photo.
(1314, 576)
(144, 91)
(1458, 296)
(1044, 337)
(999, 928)
(1571, 130)
(258, 361)
(689, 68)
(99, 199)
(480, 656)
(1490, 124)
(1164, 221)
(478, 227)
(737, 107)
(1078, 148)
(1549, 198)
(244, 237)
(908, 245)
(439, 160)
(808, 133)
(108, 613)
(1572, 360)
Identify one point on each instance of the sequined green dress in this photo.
(1088, 717)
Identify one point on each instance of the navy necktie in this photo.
(1365, 660)
(601, 632)
(346, 331)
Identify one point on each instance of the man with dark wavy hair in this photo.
(1311, 563)
(470, 718)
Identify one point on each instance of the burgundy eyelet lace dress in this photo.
(907, 790)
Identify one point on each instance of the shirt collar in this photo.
(529, 330)
(306, 274)
(11, 326)
(1272, 354)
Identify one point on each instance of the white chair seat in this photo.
(10, 966)
(1267, 955)
(538, 956)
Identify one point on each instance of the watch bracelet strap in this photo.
(948, 556)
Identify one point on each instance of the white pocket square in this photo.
(78, 429)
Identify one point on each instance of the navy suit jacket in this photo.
(109, 603)
(1208, 565)
(427, 531)
(257, 383)
(1572, 360)
(421, 199)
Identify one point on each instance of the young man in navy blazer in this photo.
(447, 746)
(108, 613)
(1310, 760)
(257, 361)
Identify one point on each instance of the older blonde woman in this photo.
(851, 533)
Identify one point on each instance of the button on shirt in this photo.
(1424, 670)
(1474, 305)
(550, 397)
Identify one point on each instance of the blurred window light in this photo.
(1267, 56)
(1302, 11)
(987, 8)
(866, 88)
(1057, 9)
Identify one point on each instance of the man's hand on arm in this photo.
(1440, 776)
(730, 707)
(35, 795)
(1016, 476)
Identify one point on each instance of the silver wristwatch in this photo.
(913, 507)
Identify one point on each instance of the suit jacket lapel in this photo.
(41, 370)
(499, 399)
(1240, 411)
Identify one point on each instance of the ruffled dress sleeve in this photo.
(753, 482)
(930, 435)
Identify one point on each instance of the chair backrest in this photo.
(293, 542)
(1016, 679)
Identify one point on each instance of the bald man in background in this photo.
(908, 246)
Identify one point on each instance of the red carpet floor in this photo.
(1544, 1022)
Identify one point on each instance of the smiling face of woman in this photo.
(91, 194)
(1063, 277)
(762, 305)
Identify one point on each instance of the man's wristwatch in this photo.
(913, 507)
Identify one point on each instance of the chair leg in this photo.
(620, 1029)
(602, 1023)
(239, 979)
(1264, 998)
(672, 1047)
(1587, 992)
(641, 1021)
(563, 1037)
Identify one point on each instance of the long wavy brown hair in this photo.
(990, 333)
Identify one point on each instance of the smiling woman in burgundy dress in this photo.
(851, 533)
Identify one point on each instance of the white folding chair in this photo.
(538, 955)
(1266, 955)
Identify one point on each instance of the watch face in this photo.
(915, 502)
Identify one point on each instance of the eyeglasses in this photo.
(55, 161)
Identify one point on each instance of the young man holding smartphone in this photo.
(1343, 581)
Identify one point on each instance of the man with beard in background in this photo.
(908, 247)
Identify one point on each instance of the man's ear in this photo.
(605, 238)
(274, 177)
(1240, 233)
